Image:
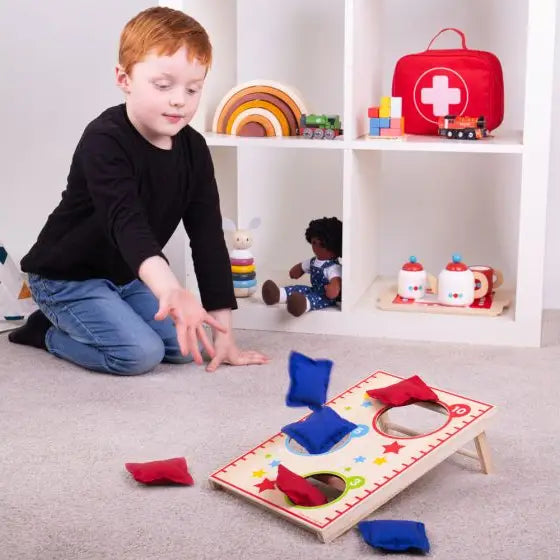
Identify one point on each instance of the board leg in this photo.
(321, 537)
(483, 452)
(214, 485)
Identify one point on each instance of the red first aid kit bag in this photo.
(440, 82)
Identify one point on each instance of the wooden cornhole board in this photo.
(376, 461)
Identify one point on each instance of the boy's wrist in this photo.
(158, 276)
(223, 316)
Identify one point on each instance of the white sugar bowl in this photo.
(412, 280)
(456, 283)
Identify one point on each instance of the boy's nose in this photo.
(177, 100)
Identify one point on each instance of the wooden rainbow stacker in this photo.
(376, 461)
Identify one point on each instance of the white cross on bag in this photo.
(440, 96)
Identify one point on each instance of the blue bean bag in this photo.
(319, 431)
(309, 381)
(397, 536)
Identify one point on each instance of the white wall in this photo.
(552, 267)
(57, 75)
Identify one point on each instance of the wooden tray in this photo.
(389, 301)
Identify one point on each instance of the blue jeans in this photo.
(104, 327)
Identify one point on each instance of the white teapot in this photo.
(456, 284)
(412, 280)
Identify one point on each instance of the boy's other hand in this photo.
(227, 352)
(189, 316)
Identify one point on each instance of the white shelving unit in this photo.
(424, 195)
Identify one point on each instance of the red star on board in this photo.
(266, 484)
(395, 447)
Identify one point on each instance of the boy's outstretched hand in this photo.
(189, 316)
(226, 350)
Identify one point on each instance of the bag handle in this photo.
(449, 29)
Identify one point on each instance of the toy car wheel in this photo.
(318, 133)
(460, 134)
(449, 134)
(329, 134)
(307, 133)
(470, 135)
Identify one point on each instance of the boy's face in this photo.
(162, 94)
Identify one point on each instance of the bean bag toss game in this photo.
(373, 462)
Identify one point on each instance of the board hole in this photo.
(422, 418)
(331, 485)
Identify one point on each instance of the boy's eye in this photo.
(191, 91)
(162, 85)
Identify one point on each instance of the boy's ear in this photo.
(122, 79)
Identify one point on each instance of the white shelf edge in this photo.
(219, 139)
(505, 143)
(510, 142)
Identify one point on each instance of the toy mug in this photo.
(412, 280)
(493, 278)
(456, 284)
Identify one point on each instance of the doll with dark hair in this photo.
(325, 237)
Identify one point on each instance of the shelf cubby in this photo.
(485, 199)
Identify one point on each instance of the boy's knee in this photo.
(141, 357)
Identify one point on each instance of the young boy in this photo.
(108, 299)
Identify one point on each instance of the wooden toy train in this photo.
(320, 126)
(462, 128)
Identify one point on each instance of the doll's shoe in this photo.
(296, 304)
(270, 293)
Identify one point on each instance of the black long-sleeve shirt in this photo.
(123, 201)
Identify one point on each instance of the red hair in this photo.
(164, 30)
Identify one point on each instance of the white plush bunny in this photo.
(242, 261)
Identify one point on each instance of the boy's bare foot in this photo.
(33, 332)
(297, 304)
(270, 293)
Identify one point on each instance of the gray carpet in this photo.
(66, 434)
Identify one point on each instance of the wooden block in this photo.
(373, 112)
(391, 132)
(372, 463)
(385, 123)
(396, 107)
(385, 102)
(385, 112)
(396, 123)
(374, 131)
(375, 122)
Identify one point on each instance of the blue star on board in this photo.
(367, 404)
(359, 459)
(275, 463)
